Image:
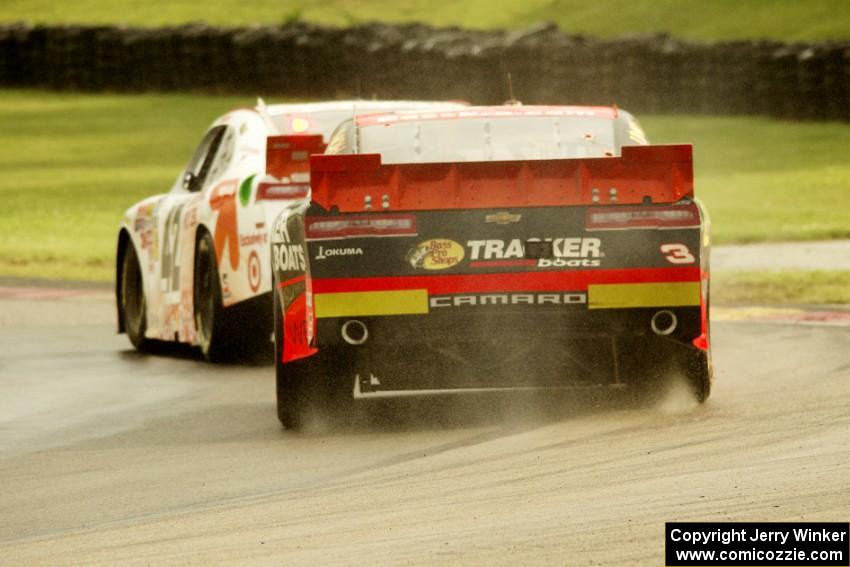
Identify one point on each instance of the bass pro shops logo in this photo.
(436, 254)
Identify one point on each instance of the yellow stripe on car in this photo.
(365, 303)
(617, 296)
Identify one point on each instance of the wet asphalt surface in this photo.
(110, 456)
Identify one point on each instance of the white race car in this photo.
(192, 265)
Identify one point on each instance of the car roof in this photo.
(360, 106)
(501, 111)
(323, 117)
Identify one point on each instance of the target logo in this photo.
(254, 271)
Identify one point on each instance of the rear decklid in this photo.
(415, 238)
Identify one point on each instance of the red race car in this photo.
(490, 248)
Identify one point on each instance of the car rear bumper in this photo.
(510, 326)
(457, 352)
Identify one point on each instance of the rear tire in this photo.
(287, 407)
(309, 390)
(211, 323)
(297, 395)
(697, 370)
(300, 397)
(697, 366)
(133, 303)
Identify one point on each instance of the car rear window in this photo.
(490, 139)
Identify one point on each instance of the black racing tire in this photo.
(696, 364)
(288, 411)
(706, 368)
(211, 324)
(310, 390)
(696, 367)
(132, 297)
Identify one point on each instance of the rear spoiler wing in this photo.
(643, 174)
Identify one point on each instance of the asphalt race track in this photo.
(108, 456)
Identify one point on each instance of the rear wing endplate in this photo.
(643, 174)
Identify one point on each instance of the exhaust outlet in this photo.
(354, 332)
(663, 323)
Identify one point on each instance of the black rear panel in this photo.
(489, 241)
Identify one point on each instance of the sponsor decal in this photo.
(146, 239)
(325, 253)
(245, 190)
(144, 213)
(251, 239)
(254, 271)
(286, 256)
(223, 200)
(484, 300)
(280, 231)
(170, 268)
(502, 218)
(146, 210)
(563, 263)
(436, 254)
(566, 253)
(298, 320)
(677, 254)
(225, 287)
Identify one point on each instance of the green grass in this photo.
(766, 179)
(781, 288)
(73, 163)
(693, 19)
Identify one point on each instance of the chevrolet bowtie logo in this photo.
(502, 218)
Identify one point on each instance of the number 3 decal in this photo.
(677, 254)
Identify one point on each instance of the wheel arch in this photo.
(200, 231)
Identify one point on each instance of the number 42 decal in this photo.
(677, 254)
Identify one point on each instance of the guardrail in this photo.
(644, 74)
